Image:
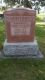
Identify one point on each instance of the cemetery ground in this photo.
(24, 69)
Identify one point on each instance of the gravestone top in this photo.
(10, 11)
(20, 24)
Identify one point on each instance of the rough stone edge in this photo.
(31, 44)
(40, 55)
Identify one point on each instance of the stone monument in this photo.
(20, 33)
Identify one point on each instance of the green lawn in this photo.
(24, 69)
(2, 31)
(40, 17)
(18, 69)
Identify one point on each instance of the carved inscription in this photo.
(20, 29)
(19, 25)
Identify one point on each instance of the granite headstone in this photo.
(20, 33)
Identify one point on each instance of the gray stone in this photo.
(22, 49)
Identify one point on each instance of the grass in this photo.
(40, 35)
(18, 69)
(2, 31)
(40, 17)
(24, 69)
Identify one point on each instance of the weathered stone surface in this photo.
(24, 49)
(20, 25)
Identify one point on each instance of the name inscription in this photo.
(19, 25)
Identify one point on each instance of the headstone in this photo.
(20, 33)
(20, 24)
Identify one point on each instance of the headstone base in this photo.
(22, 49)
